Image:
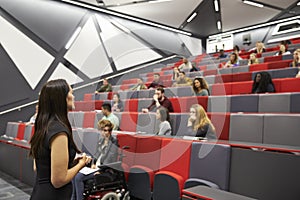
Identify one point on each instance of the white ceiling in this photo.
(234, 14)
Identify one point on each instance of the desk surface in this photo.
(205, 192)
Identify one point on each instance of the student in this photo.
(159, 99)
(106, 87)
(200, 87)
(260, 48)
(233, 61)
(33, 118)
(108, 115)
(117, 104)
(52, 145)
(156, 82)
(253, 60)
(199, 123)
(282, 50)
(185, 65)
(162, 114)
(182, 80)
(140, 85)
(296, 59)
(107, 152)
(262, 83)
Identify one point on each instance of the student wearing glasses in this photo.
(199, 124)
(107, 152)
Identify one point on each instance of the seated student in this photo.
(107, 152)
(233, 61)
(253, 60)
(140, 85)
(156, 82)
(222, 54)
(185, 65)
(106, 87)
(162, 114)
(200, 87)
(194, 68)
(117, 104)
(199, 124)
(283, 50)
(296, 59)
(159, 99)
(108, 115)
(182, 80)
(260, 48)
(263, 83)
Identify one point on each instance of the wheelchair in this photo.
(109, 184)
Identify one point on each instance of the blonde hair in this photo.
(105, 123)
(201, 117)
(255, 61)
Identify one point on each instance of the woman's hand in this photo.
(83, 159)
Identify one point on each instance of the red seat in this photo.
(129, 121)
(130, 141)
(89, 120)
(221, 89)
(98, 104)
(244, 76)
(279, 64)
(203, 101)
(258, 67)
(272, 58)
(88, 97)
(21, 131)
(189, 101)
(244, 87)
(277, 84)
(210, 72)
(176, 104)
(131, 105)
(290, 85)
(223, 78)
(221, 121)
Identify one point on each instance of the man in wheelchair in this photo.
(107, 152)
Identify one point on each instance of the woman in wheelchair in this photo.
(107, 152)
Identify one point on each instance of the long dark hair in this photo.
(203, 85)
(262, 85)
(52, 106)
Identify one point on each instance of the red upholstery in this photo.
(88, 97)
(124, 86)
(148, 152)
(129, 81)
(129, 121)
(130, 141)
(277, 84)
(131, 105)
(189, 101)
(241, 87)
(272, 58)
(258, 67)
(210, 72)
(98, 104)
(203, 68)
(224, 78)
(290, 85)
(221, 121)
(84, 105)
(203, 101)
(175, 156)
(221, 89)
(89, 120)
(244, 76)
(109, 95)
(176, 104)
(167, 83)
(21, 131)
(279, 64)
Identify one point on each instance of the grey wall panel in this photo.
(53, 22)
(264, 175)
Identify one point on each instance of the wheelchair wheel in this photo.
(110, 196)
(126, 196)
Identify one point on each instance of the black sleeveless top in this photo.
(43, 189)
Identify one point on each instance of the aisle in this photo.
(13, 189)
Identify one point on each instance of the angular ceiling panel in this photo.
(42, 17)
(279, 3)
(244, 15)
(193, 44)
(63, 72)
(88, 55)
(31, 59)
(125, 50)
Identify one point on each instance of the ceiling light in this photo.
(159, 1)
(253, 3)
(216, 3)
(298, 4)
(191, 17)
(219, 25)
(72, 39)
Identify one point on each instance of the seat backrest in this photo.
(282, 129)
(90, 140)
(129, 121)
(246, 127)
(129, 154)
(12, 129)
(294, 103)
(89, 119)
(184, 91)
(29, 130)
(244, 103)
(78, 137)
(218, 104)
(211, 162)
(221, 122)
(274, 103)
(146, 122)
(76, 119)
(178, 122)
